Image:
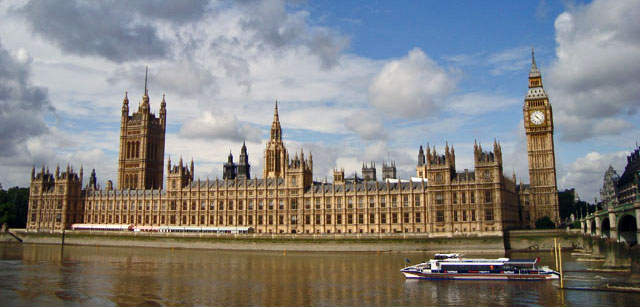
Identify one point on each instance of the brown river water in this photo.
(47, 275)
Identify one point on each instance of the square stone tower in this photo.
(142, 136)
(538, 126)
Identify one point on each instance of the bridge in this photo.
(617, 222)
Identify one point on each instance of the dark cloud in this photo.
(195, 79)
(116, 30)
(167, 10)
(368, 125)
(22, 105)
(327, 45)
(275, 27)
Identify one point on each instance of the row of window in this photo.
(458, 216)
(464, 215)
(293, 204)
(261, 219)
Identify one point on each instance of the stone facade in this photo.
(440, 201)
(608, 193)
(56, 200)
(627, 190)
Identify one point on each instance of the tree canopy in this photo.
(545, 223)
(14, 206)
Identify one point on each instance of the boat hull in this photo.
(471, 276)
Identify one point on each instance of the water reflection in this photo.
(614, 255)
(44, 275)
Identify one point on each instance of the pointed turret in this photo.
(93, 180)
(229, 168)
(276, 130)
(243, 163)
(163, 112)
(125, 104)
(497, 151)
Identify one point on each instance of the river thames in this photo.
(110, 276)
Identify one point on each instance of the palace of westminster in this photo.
(440, 202)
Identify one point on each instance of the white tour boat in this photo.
(453, 266)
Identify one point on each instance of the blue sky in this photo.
(355, 80)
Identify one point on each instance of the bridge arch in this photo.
(628, 229)
(605, 228)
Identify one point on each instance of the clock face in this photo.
(537, 117)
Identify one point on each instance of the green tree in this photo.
(545, 223)
(566, 203)
(14, 206)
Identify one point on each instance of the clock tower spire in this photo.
(538, 126)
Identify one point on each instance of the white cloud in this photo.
(219, 125)
(597, 70)
(479, 103)
(323, 119)
(585, 173)
(411, 87)
(509, 60)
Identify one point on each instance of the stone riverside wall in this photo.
(6, 238)
(522, 240)
(352, 243)
(516, 240)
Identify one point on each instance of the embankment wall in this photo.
(513, 240)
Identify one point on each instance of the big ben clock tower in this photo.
(538, 126)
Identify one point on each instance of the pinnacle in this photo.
(275, 113)
(534, 72)
(146, 74)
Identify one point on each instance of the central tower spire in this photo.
(276, 130)
(275, 154)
